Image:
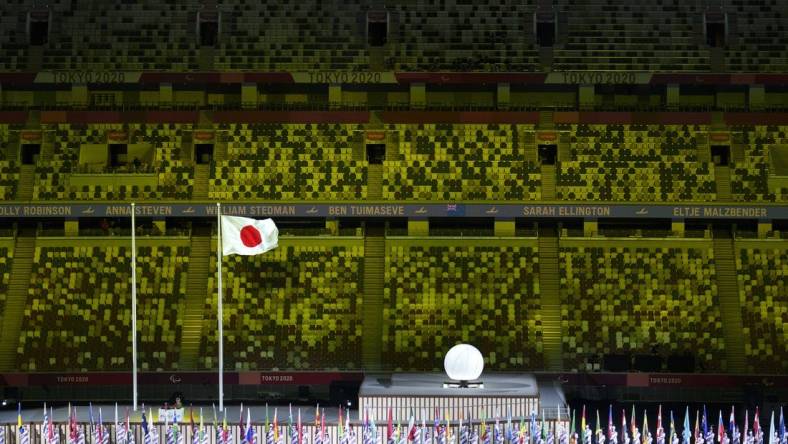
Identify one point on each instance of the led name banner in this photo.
(497, 211)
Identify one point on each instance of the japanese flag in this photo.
(241, 235)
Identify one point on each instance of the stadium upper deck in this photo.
(456, 35)
(396, 163)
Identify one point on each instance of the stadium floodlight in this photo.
(464, 364)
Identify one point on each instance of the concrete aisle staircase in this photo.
(16, 299)
(551, 302)
(27, 174)
(722, 177)
(377, 58)
(728, 293)
(202, 173)
(548, 182)
(374, 262)
(375, 182)
(196, 296)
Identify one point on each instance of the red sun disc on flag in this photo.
(250, 236)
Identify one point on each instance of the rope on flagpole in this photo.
(219, 296)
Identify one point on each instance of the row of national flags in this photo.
(439, 431)
(703, 431)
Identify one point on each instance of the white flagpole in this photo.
(134, 303)
(219, 316)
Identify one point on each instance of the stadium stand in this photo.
(463, 36)
(460, 162)
(289, 38)
(761, 44)
(761, 271)
(9, 170)
(620, 35)
(9, 177)
(80, 151)
(594, 193)
(429, 161)
(306, 294)
(79, 309)
(639, 297)
(6, 258)
(642, 163)
(13, 42)
(440, 292)
(312, 161)
(422, 36)
(121, 36)
(469, 39)
(750, 178)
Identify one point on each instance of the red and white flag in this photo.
(244, 236)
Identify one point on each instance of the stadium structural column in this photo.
(418, 227)
(586, 97)
(165, 95)
(503, 96)
(249, 95)
(220, 321)
(672, 96)
(590, 227)
(79, 94)
(71, 227)
(764, 228)
(756, 97)
(334, 95)
(677, 227)
(134, 303)
(332, 226)
(504, 227)
(418, 95)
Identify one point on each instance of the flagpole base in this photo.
(464, 384)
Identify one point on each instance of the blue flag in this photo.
(704, 425)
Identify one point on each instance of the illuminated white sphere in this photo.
(463, 362)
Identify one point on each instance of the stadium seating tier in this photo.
(307, 296)
(454, 35)
(6, 259)
(436, 296)
(80, 150)
(78, 315)
(641, 163)
(289, 161)
(636, 299)
(763, 294)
